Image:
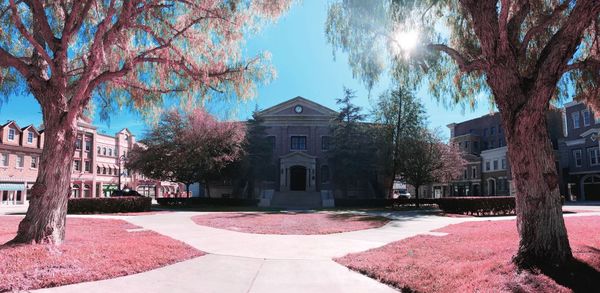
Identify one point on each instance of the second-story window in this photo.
(11, 134)
(298, 143)
(473, 172)
(466, 145)
(492, 130)
(495, 164)
(104, 151)
(88, 166)
(78, 143)
(30, 137)
(575, 118)
(465, 174)
(475, 146)
(110, 152)
(594, 154)
(20, 161)
(503, 164)
(34, 162)
(4, 160)
(88, 145)
(577, 158)
(99, 150)
(586, 117)
(485, 132)
(487, 165)
(77, 165)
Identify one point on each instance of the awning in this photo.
(12, 186)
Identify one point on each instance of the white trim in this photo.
(590, 132)
(575, 141)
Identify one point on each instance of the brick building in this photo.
(483, 144)
(96, 163)
(579, 153)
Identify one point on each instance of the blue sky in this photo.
(305, 67)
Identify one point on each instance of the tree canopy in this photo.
(131, 52)
(460, 43)
(188, 148)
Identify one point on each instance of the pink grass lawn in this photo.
(94, 249)
(290, 223)
(474, 257)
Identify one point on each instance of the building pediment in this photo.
(297, 155)
(298, 107)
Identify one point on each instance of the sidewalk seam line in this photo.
(256, 275)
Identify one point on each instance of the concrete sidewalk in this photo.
(243, 262)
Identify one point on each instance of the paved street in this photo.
(242, 262)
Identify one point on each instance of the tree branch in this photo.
(559, 50)
(547, 21)
(8, 60)
(23, 30)
(39, 16)
(464, 65)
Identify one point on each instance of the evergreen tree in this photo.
(256, 165)
(352, 150)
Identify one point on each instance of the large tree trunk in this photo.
(46, 215)
(543, 236)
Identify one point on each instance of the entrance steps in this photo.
(296, 200)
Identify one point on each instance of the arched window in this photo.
(75, 191)
(104, 151)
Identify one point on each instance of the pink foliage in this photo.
(94, 250)
(224, 138)
(474, 257)
(452, 163)
(290, 223)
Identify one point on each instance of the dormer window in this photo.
(11, 134)
(575, 118)
(30, 137)
(586, 117)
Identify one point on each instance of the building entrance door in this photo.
(298, 178)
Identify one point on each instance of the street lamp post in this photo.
(121, 159)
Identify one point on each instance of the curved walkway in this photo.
(242, 262)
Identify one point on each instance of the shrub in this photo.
(204, 201)
(100, 205)
(484, 205)
(381, 202)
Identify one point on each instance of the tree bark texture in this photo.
(543, 235)
(46, 215)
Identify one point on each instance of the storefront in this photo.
(12, 193)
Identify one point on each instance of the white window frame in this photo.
(575, 159)
(34, 162)
(495, 164)
(20, 161)
(594, 155)
(5, 159)
(488, 166)
(586, 117)
(11, 134)
(503, 164)
(575, 119)
(29, 137)
(473, 172)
